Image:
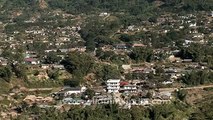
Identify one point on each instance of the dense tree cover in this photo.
(173, 111)
(13, 56)
(105, 72)
(193, 52)
(142, 54)
(19, 4)
(163, 40)
(88, 94)
(181, 94)
(111, 56)
(126, 38)
(20, 70)
(79, 64)
(198, 78)
(101, 40)
(37, 46)
(198, 4)
(96, 32)
(53, 74)
(204, 111)
(153, 39)
(135, 10)
(15, 61)
(134, 7)
(7, 54)
(197, 52)
(188, 5)
(175, 36)
(74, 82)
(15, 64)
(52, 58)
(29, 6)
(86, 6)
(5, 73)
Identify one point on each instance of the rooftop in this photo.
(113, 80)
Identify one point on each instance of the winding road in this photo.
(187, 88)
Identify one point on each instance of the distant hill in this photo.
(134, 7)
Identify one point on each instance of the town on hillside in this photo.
(79, 55)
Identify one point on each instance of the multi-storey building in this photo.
(113, 85)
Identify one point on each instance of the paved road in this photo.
(161, 89)
(40, 89)
(187, 88)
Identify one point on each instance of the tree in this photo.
(52, 58)
(197, 78)
(142, 54)
(5, 73)
(162, 112)
(103, 40)
(196, 52)
(90, 45)
(153, 19)
(125, 38)
(7, 54)
(79, 64)
(106, 72)
(139, 113)
(15, 56)
(54, 75)
(74, 82)
(88, 94)
(149, 94)
(181, 94)
(159, 70)
(20, 70)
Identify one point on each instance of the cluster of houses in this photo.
(132, 92)
(66, 39)
(115, 91)
(136, 91)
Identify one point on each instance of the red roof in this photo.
(30, 59)
(124, 83)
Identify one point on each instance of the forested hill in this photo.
(87, 6)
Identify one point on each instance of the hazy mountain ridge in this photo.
(86, 6)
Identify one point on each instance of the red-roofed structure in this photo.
(122, 83)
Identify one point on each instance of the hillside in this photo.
(88, 6)
(106, 59)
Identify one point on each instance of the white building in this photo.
(130, 88)
(113, 85)
(103, 14)
(67, 91)
(72, 101)
(103, 99)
